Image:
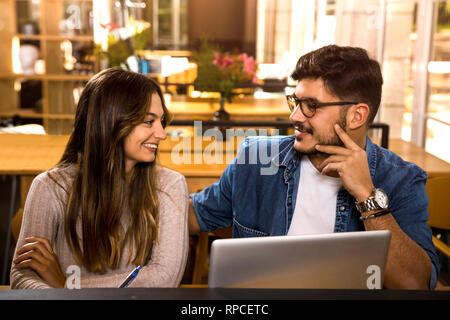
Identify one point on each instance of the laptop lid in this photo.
(346, 260)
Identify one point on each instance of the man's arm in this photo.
(408, 265)
(194, 227)
(211, 208)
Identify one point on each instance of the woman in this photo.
(107, 207)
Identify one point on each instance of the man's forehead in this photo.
(313, 88)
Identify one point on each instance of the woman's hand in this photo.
(38, 255)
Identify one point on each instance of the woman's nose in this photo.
(160, 132)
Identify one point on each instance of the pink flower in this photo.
(243, 57)
(218, 58)
(221, 61)
(249, 64)
(226, 62)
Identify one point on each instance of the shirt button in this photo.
(341, 208)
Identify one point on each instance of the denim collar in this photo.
(287, 154)
(287, 157)
(290, 159)
(372, 156)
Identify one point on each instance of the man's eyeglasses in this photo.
(309, 105)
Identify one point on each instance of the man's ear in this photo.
(357, 115)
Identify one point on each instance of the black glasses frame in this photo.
(311, 104)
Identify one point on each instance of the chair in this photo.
(201, 265)
(439, 210)
(16, 223)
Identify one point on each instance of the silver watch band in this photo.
(367, 205)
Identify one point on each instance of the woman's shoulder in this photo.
(60, 177)
(168, 178)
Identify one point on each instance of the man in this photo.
(329, 176)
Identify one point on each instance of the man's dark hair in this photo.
(347, 72)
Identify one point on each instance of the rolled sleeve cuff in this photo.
(198, 213)
(433, 277)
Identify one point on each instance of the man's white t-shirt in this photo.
(315, 208)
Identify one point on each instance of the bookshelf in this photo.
(61, 32)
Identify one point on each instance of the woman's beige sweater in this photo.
(44, 217)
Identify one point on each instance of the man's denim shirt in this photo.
(258, 190)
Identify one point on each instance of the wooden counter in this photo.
(240, 109)
(408, 151)
(29, 155)
(22, 154)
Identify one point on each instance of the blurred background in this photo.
(50, 48)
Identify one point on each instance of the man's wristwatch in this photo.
(377, 200)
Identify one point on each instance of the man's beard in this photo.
(334, 140)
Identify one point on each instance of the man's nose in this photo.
(297, 115)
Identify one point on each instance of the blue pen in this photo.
(130, 277)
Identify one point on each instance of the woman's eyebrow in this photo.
(154, 114)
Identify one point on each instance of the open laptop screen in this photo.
(347, 260)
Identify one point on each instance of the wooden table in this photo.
(408, 151)
(28, 155)
(32, 154)
(247, 108)
(291, 298)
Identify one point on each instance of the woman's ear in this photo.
(357, 115)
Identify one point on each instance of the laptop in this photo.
(346, 260)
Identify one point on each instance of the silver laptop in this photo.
(348, 260)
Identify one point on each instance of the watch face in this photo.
(381, 198)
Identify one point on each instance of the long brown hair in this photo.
(113, 102)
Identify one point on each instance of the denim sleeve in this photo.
(410, 209)
(213, 205)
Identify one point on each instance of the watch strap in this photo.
(367, 205)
